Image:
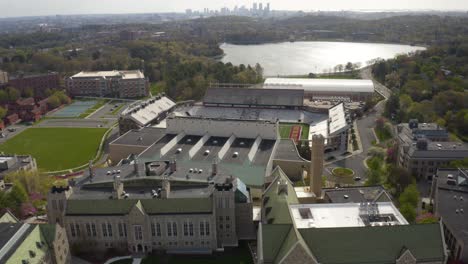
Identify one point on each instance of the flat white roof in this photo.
(146, 111)
(340, 215)
(321, 85)
(109, 74)
(337, 119)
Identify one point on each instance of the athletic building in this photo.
(319, 89)
(145, 113)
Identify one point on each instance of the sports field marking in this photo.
(295, 133)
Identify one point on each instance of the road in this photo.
(364, 126)
(7, 134)
(381, 89)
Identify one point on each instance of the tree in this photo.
(392, 108)
(64, 99)
(18, 195)
(96, 55)
(3, 97)
(53, 101)
(13, 94)
(29, 92)
(459, 163)
(3, 113)
(409, 212)
(399, 178)
(349, 66)
(410, 196)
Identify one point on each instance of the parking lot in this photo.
(107, 111)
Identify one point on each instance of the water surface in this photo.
(297, 58)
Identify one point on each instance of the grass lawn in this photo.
(383, 134)
(56, 148)
(156, 88)
(285, 130)
(343, 172)
(235, 256)
(117, 110)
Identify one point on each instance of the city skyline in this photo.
(57, 7)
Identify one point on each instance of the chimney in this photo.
(214, 167)
(316, 165)
(166, 189)
(173, 166)
(91, 170)
(136, 166)
(118, 191)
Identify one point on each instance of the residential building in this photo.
(145, 207)
(119, 84)
(449, 195)
(145, 113)
(31, 243)
(27, 109)
(423, 148)
(39, 83)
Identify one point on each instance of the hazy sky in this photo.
(9, 8)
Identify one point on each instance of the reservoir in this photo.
(299, 58)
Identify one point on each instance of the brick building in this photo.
(27, 109)
(38, 82)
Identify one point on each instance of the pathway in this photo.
(364, 128)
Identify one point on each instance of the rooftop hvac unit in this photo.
(108, 172)
(207, 152)
(200, 171)
(235, 155)
(189, 140)
(190, 170)
(179, 150)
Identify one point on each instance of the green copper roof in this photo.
(178, 206)
(99, 207)
(150, 206)
(48, 232)
(374, 244)
(273, 238)
(276, 205)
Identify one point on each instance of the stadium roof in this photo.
(321, 85)
(260, 97)
(337, 119)
(145, 112)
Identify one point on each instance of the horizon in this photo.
(29, 8)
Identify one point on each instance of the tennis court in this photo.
(75, 109)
